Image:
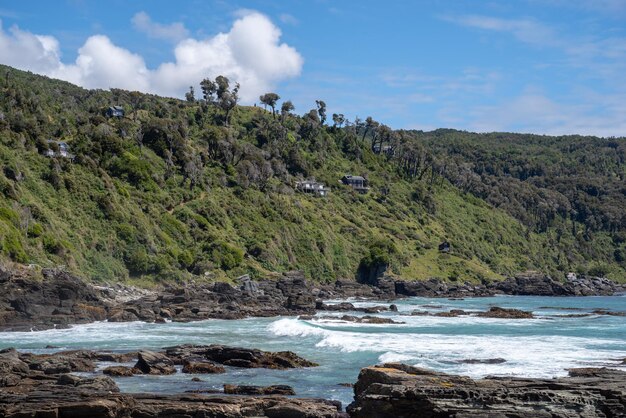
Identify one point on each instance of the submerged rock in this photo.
(482, 361)
(497, 312)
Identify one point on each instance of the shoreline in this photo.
(61, 299)
(43, 385)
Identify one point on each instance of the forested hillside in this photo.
(205, 188)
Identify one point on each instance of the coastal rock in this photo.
(398, 391)
(120, 371)
(258, 390)
(202, 367)
(238, 357)
(150, 362)
(367, 319)
(35, 395)
(497, 312)
(483, 361)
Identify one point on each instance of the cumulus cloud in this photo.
(250, 53)
(173, 32)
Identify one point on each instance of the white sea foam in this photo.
(537, 356)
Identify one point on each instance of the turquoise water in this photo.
(541, 347)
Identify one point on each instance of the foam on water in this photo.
(541, 347)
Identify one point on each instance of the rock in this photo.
(196, 379)
(367, 319)
(497, 312)
(10, 363)
(68, 379)
(399, 391)
(202, 367)
(452, 313)
(608, 312)
(150, 362)
(258, 390)
(238, 357)
(120, 371)
(483, 361)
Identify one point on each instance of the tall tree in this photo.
(270, 99)
(321, 110)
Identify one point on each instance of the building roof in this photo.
(118, 108)
(350, 177)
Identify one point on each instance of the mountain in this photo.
(206, 190)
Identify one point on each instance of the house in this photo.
(358, 183)
(383, 149)
(58, 149)
(312, 186)
(115, 112)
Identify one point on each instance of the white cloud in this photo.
(525, 30)
(174, 32)
(533, 111)
(250, 53)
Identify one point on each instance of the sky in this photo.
(538, 66)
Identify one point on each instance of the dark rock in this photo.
(120, 371)
(258, 390)
(237, 356)
(150, 362)
(497, 312)
(367, 319)
(202, 367)
(399, 391)
(483, 361)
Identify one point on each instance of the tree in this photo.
(228, 100)
(209, 89)
(190, 95)
(321, 110)
(338, 119)
(270, 99)
(286, 109)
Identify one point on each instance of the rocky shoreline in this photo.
(59, 299)
(42, 385)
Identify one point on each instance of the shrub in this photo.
(226, 255)
(35, 230)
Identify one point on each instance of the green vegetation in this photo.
(204, 189)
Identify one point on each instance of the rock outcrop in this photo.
(237, 356)
(60, 299)
(29, 392)
(397, 390)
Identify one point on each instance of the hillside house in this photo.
(444, 247)
(383, 149)
(312, 186)
(115, 112)
(358, 183)
(58, 149)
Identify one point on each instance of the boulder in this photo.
(150, 362)
(202, 367)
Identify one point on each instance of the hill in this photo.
(205, 189)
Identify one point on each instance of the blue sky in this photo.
(541, 66)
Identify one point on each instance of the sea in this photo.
(558, 338)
